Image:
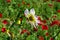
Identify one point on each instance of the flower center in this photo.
(31, 18)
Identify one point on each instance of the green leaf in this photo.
(31, 37)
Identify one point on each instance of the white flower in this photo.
(32, 18)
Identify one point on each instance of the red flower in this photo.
(59, 23)
(21, 19)
(47, 34)
(23, 2)
(41, 38)
(5, 22)
(35, 29)
(28, 33)
(44, 21)
(8, 1)
(55, 22)
(41, 22)
(54, 16)
(58, 0)
(23, 31)
(0, 15)
(38, 17)
(28, 5)
(50, 5)
(3, 29)
(58, 11)
(18, 5)
(51, 38)
(44, 27)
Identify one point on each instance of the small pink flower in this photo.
(39, 20)
(40, 23)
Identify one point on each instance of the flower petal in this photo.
(26, 12)
(32, 11)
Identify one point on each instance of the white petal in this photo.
(36, 24)
(26, 12)
(32, 11)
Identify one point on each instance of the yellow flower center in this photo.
(31, 18)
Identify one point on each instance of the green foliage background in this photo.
(11, 10)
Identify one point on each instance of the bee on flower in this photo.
(32, 18)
